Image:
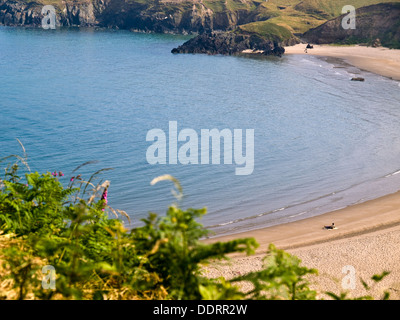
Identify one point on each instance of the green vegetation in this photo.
(215, 5)
(332, 9)
(267, 30)
(43, 223)
(372, 29)
(297, 17)
(94, 256)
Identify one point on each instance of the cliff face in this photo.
(168, 16)
(68, 13)
(178, 17)
(19, 13)
(374, 22)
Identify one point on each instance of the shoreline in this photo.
(352, 221)
(382, 61)
(366, 238)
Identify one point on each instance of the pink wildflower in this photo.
(104, 197)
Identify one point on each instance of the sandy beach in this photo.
(383, 61)
(367, 236)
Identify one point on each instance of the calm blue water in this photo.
(322, 142)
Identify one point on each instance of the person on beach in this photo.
(309, 46)
(330, 227)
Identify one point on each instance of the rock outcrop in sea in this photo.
(228, 43)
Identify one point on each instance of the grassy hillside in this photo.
(333, 8)
(370, 27)
(281, 16)
(267, 30)
(299, 16)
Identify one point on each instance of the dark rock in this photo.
(228, 43)
(357, 79)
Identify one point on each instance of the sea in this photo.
(86, 99)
